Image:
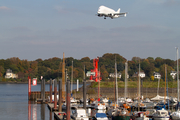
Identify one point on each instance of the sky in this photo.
(33, 29)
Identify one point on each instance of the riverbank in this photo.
(109, 91)
(131, 92)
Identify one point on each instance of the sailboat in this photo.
(162, 114)
(119, 113)
(176, 115)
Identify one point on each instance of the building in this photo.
(9, 74)
(113, 75)
(157, 75)
(89, 73)
(141, 74)
(173, 74)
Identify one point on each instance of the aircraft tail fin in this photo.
(118, 11)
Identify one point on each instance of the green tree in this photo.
(158, 62)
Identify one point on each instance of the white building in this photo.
(142, 74)
(113, 75)
(173, 74)
(9, 74)
(157, 75)
(89, 73)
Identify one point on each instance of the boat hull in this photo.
(160, 118)
(121, 118)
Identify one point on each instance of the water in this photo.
(14, 103)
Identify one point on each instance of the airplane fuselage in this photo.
(108, 12)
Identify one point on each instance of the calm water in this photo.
(14, 103)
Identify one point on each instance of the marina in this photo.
(131, 111)
(14, 98)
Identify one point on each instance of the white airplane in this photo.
(108, 12)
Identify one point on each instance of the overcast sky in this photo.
(32, 29)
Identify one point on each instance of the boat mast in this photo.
(165, 87)
(63, 78)
(177, 72)
(126, 76)
(116, 82)
(139, 86)
(72, 78)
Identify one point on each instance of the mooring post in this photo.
(84, 94)
(42, 111)
(55, 94)
(41, 89)
(68, 92)
(29, 87)
(60, 95)
(44, 82)
(50, 91)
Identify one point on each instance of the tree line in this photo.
(52, 67)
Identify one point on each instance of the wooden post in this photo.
(60, 95)
(43, 90)
(50, 91)
(55, 94)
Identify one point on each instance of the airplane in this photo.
(108, 12)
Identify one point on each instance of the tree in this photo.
(169, 62)
(120, 66)
(85, 59)
(68, 61)
(2, 71)
(151, 59)
(136, 59)
(147, 67)
(162, 71)
(158, 62)
(14, 68)
(132, 68)
(104, 73)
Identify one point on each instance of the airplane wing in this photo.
(120, 13)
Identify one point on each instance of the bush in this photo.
(91, 91)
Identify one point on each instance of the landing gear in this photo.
(104, 17)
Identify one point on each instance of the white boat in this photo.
(121, 100)
(101, 106)
(80, 114)
(161, 115)
(141, 116)
(73, 100)
(175, 115)
(173, 100)
(158, 97)
(129, 100)
(98, 106)
(147, 100)
(104, 99)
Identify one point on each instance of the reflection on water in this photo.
(39, 112)
(14, 103)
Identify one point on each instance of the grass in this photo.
(134, 84)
